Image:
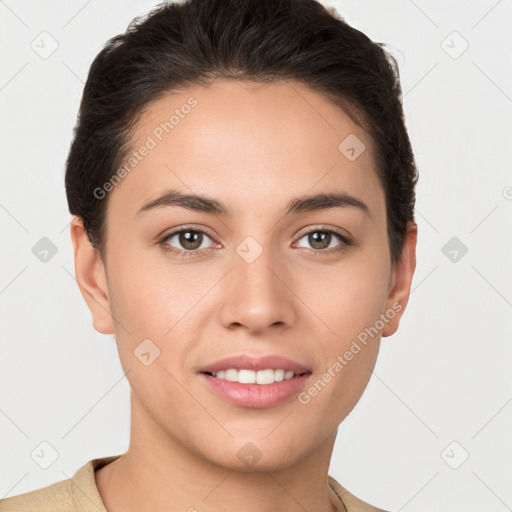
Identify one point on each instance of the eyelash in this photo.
(346, 242)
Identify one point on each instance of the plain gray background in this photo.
(432, 431)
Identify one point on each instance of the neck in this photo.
(159, 473)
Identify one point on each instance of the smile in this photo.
(255, 395)
(261, 377)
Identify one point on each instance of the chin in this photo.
(258, 455)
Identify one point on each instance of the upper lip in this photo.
(255, 363)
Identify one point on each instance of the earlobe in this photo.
(91, 278)
(401, 279)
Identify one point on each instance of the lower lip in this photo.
(256, 396)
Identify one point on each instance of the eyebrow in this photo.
(212, 206)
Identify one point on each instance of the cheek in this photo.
(346, 297)
(348, 301)
(333, 394)
(149, 295)
(347, 350)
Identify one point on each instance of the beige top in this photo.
(80, 494)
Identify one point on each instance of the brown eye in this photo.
(190, 240)
(323, 240)
(186, 240)
(319, 239)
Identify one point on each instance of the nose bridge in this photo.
(257, 296)
(253, 266)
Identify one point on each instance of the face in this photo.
(275, 274)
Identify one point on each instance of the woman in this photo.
(242, 186)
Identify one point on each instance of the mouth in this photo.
(255, 382)
(253, 395)
(246, 365)
(263, 377)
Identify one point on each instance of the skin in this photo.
(253, 147)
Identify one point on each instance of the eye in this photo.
(190, 241)
(322, 239)
(193, 241)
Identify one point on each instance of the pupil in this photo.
(188, 239)
(318, 239)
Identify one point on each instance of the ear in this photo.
(91, 278)
(400, 280)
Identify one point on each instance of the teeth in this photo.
(279, 375)
(252, 377)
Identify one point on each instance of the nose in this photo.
(258, 295)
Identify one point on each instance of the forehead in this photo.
(249, 143)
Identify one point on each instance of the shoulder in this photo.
(351, 502)
(55, 497)
(76, 494)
